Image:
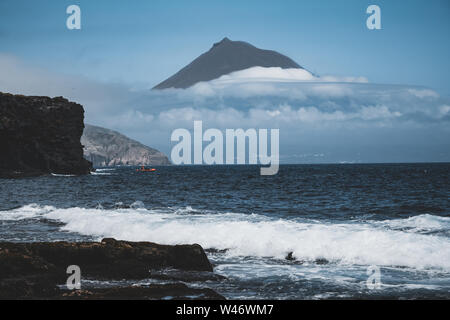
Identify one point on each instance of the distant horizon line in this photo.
(281, 164)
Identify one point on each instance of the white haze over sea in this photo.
(321, 119)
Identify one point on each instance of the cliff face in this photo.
(40, 135)
(104, 147)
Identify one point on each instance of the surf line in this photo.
(235, 153)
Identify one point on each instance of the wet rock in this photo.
(214, 250)
(162, 291)
(29, 287)
(40, 135)
(321, 261)
(29, 270)
(290, 256)
(107, 259)
(185, 276)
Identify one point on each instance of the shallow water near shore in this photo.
(334, 220)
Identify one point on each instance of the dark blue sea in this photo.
(337, 224)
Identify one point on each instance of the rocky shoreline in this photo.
(39, 270)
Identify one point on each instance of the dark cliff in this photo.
(40, 135)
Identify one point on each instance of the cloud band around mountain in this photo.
(308, 111)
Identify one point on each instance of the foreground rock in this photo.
(33, 270)
(159, 291)
(40, 135)
(106, 148)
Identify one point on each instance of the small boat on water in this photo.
(143, 169)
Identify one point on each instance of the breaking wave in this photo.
(400, 242)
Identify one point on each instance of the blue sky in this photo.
(143, 42)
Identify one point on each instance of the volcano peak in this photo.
(224, 57)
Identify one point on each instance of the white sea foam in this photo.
(422, 223)
(95, 173)
(26, 212)
(369, 243)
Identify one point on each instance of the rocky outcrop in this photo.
(40, 135)
(174, 291)
(107, 259)
(105, 148)
(34, 270)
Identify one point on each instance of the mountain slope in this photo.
(104, 147)
(223, 58)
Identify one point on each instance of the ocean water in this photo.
(337, 221)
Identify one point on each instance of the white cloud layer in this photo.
(332, 116)
(276, 74)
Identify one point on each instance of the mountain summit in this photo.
(223, 58)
